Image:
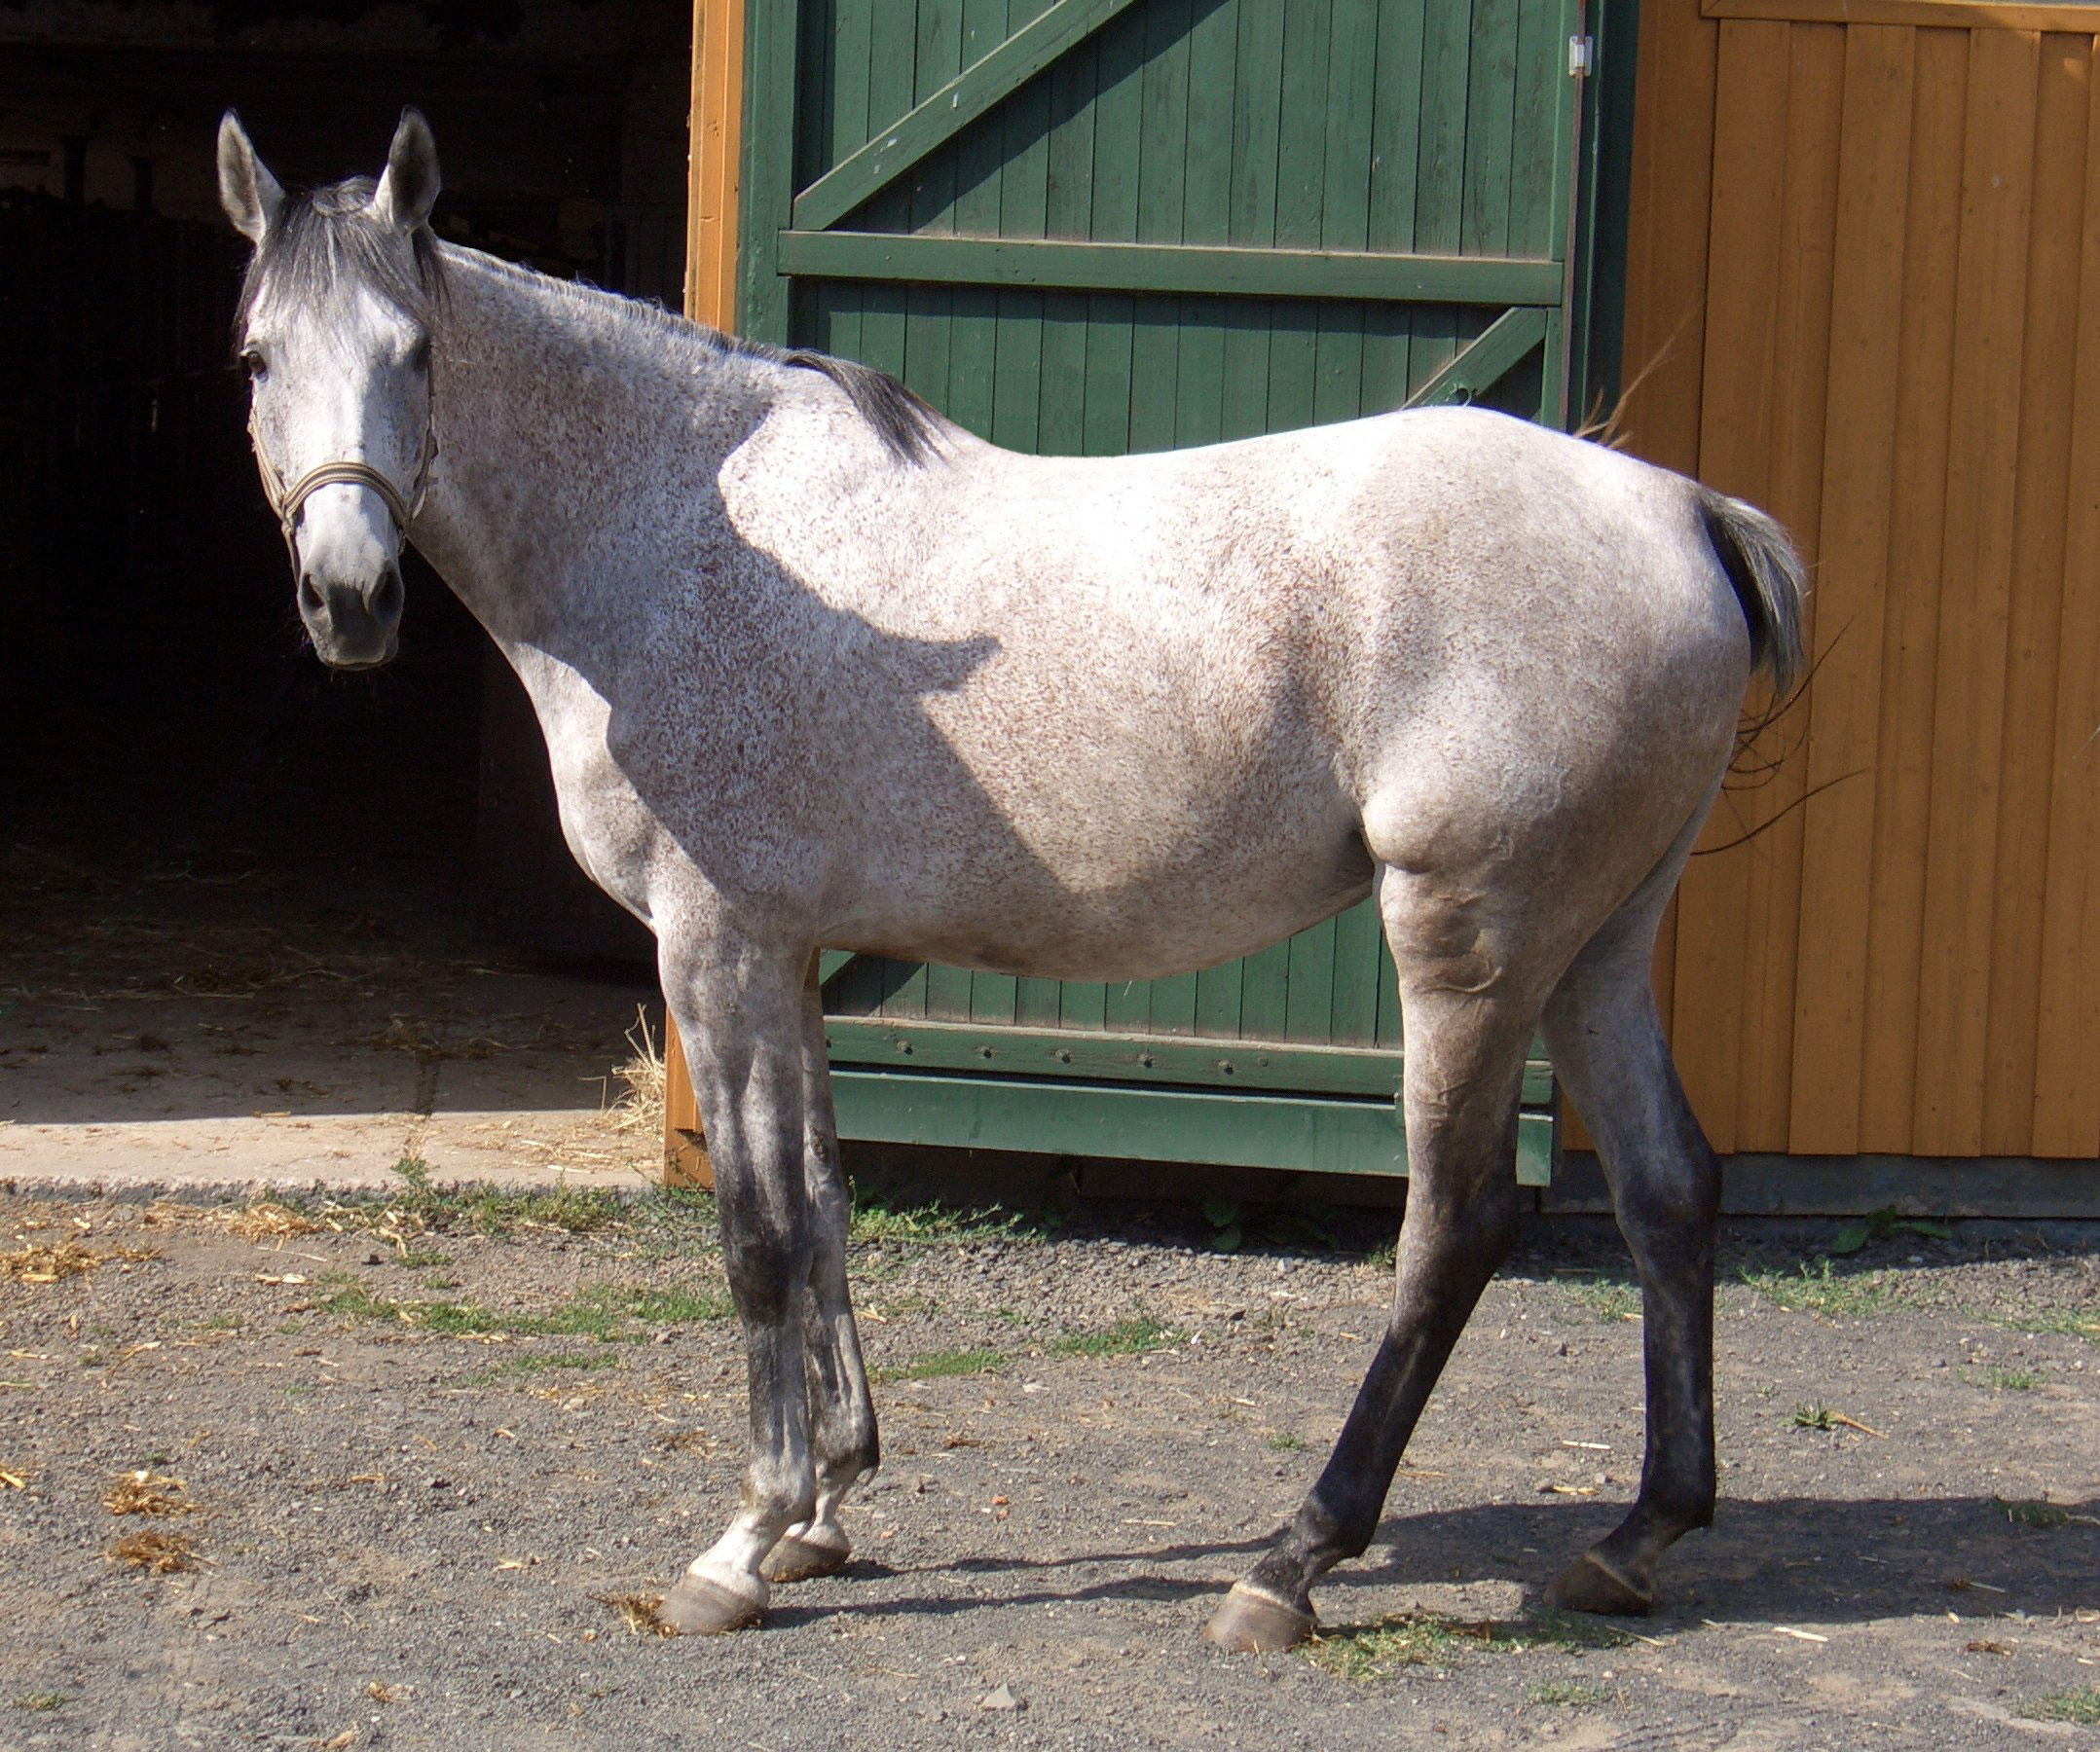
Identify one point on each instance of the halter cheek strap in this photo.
(286, 503)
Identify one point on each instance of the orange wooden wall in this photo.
(1865, 267)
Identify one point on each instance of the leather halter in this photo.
(287, 502)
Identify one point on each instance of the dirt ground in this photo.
(409, 1450)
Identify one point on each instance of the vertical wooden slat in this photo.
(2039, 509)
(1733, 451)
(1896, 898)
(711, 208)
(1843, 707)
(2067, 1091)
(1990, 317)
(1794, 494)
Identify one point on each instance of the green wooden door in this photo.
(1101, 226)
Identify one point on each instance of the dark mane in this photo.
(904, 422)
(324, 239)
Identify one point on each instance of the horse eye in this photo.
(419, 355)
(258, 367)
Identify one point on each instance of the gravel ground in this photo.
(420, 1450)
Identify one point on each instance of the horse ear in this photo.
(249, 194)
(409, 187)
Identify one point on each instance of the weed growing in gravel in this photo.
(2059, 1323)
(1564, 1691)
(1284, 1442)
(539, 1363)
(1826, 1291)
(43, 1701)
(936, 1364)
(2026, 1513)
(1366, 1652)
(1125, 1338)
(881, 1217)
(610, 1313)
(1611, 1300)
(2012, 1380)
(1811, 1418)
(2079, 1704)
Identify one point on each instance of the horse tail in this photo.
(1769, 580)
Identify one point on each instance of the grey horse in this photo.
(817, 667)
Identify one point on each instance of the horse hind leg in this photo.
(1607, 1049)
(1467, 1025)
(844, 1446)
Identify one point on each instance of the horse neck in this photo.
(564, 420)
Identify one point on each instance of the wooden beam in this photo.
(950, 109)
(1170, 267)
(1491, 355)
(717, 119)
(2074, 15)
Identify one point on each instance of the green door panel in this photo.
(1094, 226)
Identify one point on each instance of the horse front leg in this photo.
(842, 1435)
(739, 1009)
(1465, 1041)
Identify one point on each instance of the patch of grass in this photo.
(1811, 1418)
(881, 1217)
(1125, 1338)
(2012, 1380)
(1283, 1442)
(2037, 1513)
(936, 1364)
(2057, 1323)
(418, 1206)
(610, 1313)
(1881, 1225)
(1611, 1300)
(540, 1363)
(220, 1322)
(1567, 1691)
(1825, 1290)
(1368, 1652)
(2081, 1704)
(43, 1701)
(421, 1260)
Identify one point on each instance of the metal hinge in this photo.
(1581, 50)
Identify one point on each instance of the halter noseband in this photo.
(287, 502)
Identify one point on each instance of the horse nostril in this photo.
(309, 599)
(387, 597)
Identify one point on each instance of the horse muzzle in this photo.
(353, 626)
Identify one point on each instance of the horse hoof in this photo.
(1250, 1623)
(801, 1558)
(698, 1607)
(1587, 1585)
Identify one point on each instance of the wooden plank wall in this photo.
(1865, 281)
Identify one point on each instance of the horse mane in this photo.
(326, 237)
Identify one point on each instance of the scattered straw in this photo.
(42, 1263)
(639, 1106)
(268, 1219)
(157, 1553)
(637, 1612)
(144, 1492)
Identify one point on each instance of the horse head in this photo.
(335, 330)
